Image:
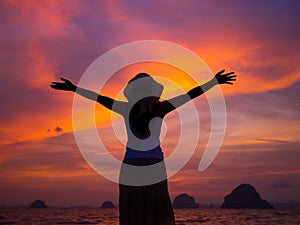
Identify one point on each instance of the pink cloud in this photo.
(44, 40)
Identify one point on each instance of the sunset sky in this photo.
(43, 40)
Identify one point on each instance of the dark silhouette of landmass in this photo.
(38, 204)
(245, 197)
(277, 205)
(184, 201)
(107, 205)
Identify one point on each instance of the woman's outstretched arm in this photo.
(66, 85)
(220, 78)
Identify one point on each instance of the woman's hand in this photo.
(225, 78)
(65, 86)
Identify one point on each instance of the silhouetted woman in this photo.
(148, 204)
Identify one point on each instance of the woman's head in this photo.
(142, 86)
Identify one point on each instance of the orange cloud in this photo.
(46, 39)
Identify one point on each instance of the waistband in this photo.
(153, 153)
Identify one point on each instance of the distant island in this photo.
(38, 204)
(245, 196)
(184, 201)
(107, 205)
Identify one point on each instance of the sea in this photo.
(183, 216)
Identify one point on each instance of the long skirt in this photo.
(145, 205)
